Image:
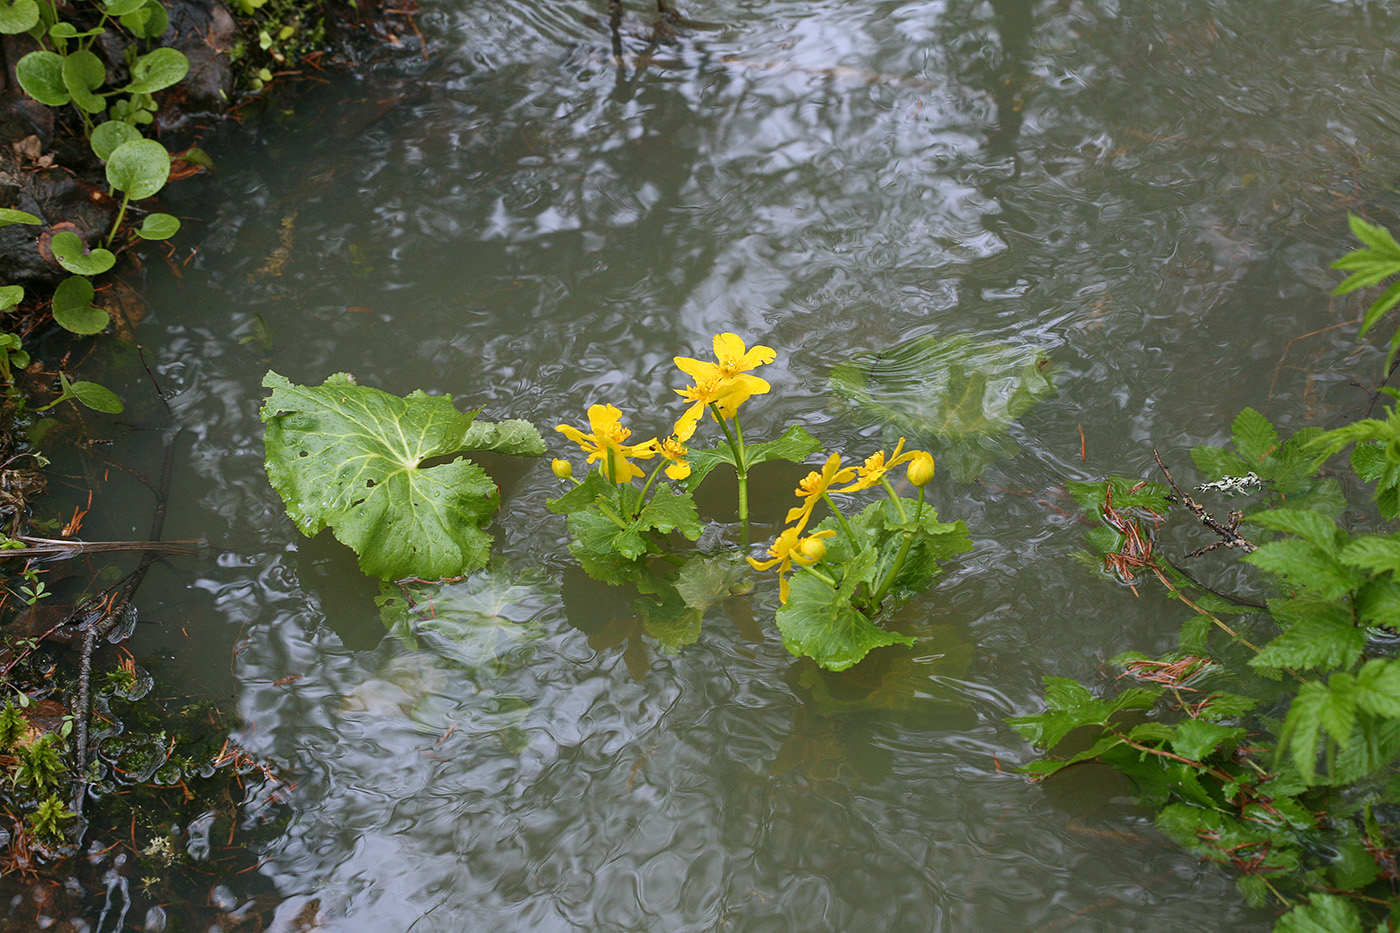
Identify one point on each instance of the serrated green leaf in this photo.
(959, 397)
(1197, 739)
(704, 580)
(597, 534)
(1327, 913)
(513, 437)
(1378, 687)
(1254, 437)
(1373, 553)
(794, 445)
(72, 255)
(1325, 637)
(1305, 564)
(349, 458)
(819, 622)
(1217, 463)
(1308, 525)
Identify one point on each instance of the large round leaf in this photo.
(18, 17)
(157, 70)
(139, 168)
(73, 310)
(68, 249)
(350, 458)
(83, 73)
(41, 76)
(106, 137)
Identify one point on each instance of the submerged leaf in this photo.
(350, 457)
(958, 395)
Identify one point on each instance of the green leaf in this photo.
(794, 445)
(933, 543)
(19, 16)
(596, 535)
(83, 73)
(957, 396)
(149, 21)
(40, 74)
(1126, 494)
(350, 457)
(106, 137)
(73, 310)
(10, 216)
(10, 296)
(73, 256)
(1217, 463)
(586, 494)
(1308, 525)
(1305, 564)
(96, 397)
(513, 437)
(156, 70)
(1255, 438)
(163, 227)
(1324, 636)
(670, 510)
(139, 168)
(1378, 688)
(705, 580)
(1196, 739)
(1327, 913)
(487, 624)
(122, 7)
(820, 623)
(1373, 553)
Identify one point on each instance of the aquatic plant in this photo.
(832, 587)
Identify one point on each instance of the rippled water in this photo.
(1149, 192)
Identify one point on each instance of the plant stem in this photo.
(904, 547)
(841, 520)
(741, 469)
(898, 504)
(821, 576)
(646, 487)
(126, 197)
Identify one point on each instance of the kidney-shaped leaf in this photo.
(157, 70)
(350, 458)
(19, 16)
(73, 310)
(106, 137)
(41, 75)
(139, 168)
(72, 255)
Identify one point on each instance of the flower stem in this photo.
(898, 504)
(841, 520)
(821, 576)
(641, 496)
(741, 468)
(126, 197)
(904, 546)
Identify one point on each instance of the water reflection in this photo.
(533, 230)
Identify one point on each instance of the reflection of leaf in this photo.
(957, 395)
(897, 679)
(484, 623)
(821, 751)
(349, 457)
(704, 581)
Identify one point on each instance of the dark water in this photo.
(1148, 192)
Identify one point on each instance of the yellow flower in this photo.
(788, 547)
(921, 468)
(814, 484)
(725, 382)
(606, 443)
(672, 450)
(875, 467)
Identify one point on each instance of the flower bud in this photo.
(562, 469)
(808, 551)
(921, 468)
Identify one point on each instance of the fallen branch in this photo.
(1229, 536)
(67, 548)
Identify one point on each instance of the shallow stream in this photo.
(1148, 193)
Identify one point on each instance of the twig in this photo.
(1229, 537)
(65, 548)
